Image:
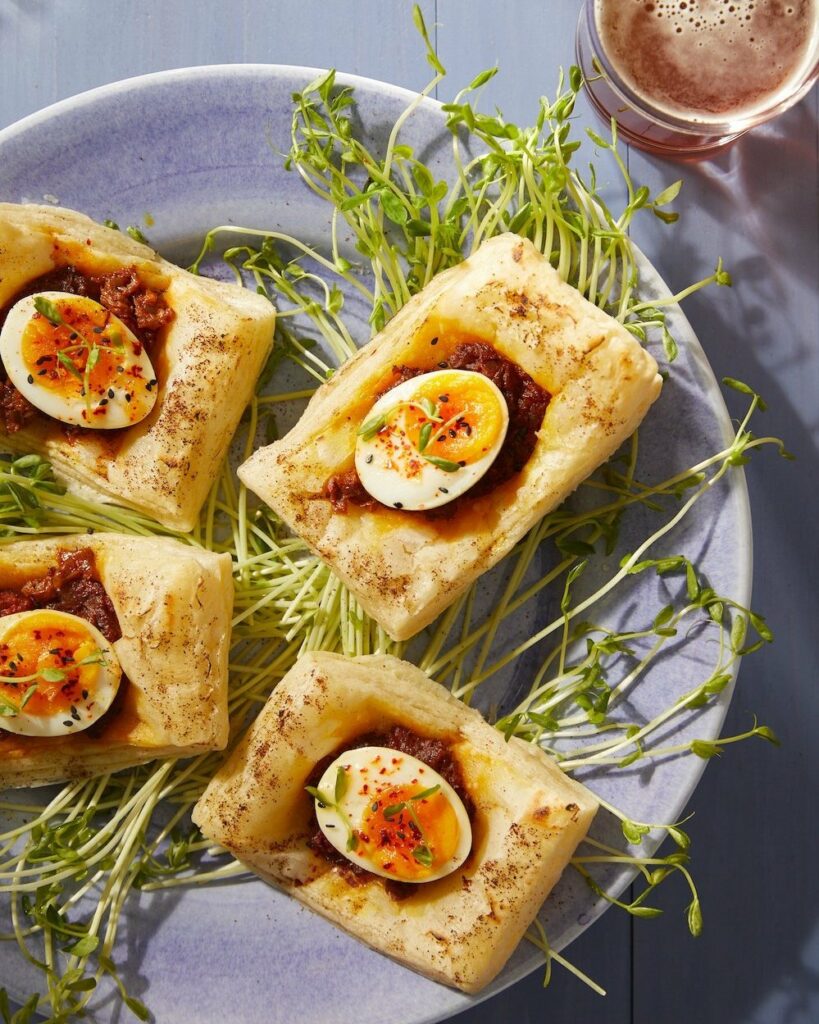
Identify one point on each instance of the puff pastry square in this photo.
(403, 567)
(174, 604)
(459, 930)
(209, 359)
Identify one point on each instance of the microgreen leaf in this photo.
(70, 365)
(705, 749)
(668, 195)
(445, 464)
(317, 794)
(424, 436)
(136, 234)
(634, 831)
(372, 426)
(342, 780)
(695, 918)
(45, 307)
(423, 855)
(52, 675)
(426, 793)
(28, 695)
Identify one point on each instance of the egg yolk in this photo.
(409, 838)
(468, 413)
(53, 656)
(82, 356)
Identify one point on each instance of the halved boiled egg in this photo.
(58, 673)
(77, 362)
(431, 438)
(392, 815)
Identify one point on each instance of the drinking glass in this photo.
(679, 133)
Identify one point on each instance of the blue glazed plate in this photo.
(184, 151)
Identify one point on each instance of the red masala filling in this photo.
(142, 309)
(525, 399)
(71, 586)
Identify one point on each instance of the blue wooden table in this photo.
(755, 205)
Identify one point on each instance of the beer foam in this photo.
(710, 60)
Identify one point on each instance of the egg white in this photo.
(86, 711)
(382, 460)
(379, 769)
(111, 409)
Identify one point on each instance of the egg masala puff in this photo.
(369, 793)
(126, 372)
(487, 399)
(113, 652)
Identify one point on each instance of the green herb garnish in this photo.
(334, 802)
(45, 307)
(372, 426)
(445, 464)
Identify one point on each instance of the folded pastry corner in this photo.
(575, 382)
(526, 816)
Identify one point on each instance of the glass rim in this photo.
(664, 118)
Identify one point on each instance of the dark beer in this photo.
(708, 68)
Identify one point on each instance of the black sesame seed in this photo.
(67, 723)
(452, 433)
(75, 714)
(433, 341)
(397, 504)
(85, 694)
(443, 398)
(30, 379)
(42, 373)
(103, 401)
(97, 330)
(444, 365)
(128, 396)
(110, 392)
(73, 336)
(369, 459)
(461, 462)
(444, 490)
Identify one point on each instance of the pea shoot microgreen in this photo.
(447, 465)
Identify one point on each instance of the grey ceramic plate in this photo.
(199, 147)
